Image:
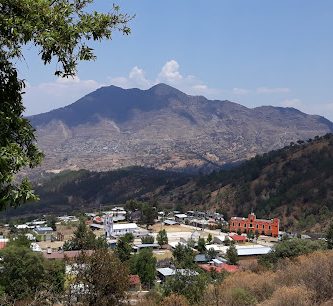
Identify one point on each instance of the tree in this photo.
(123, 249)
(24, 272)
(147, 239)
(144, 264)
(201, 245)
(84, 239)
(250, 235)
(187, 283)
(329, 236)
(209, 238)
(183, 256)
(62, 31)
(211, 254)
(257, 234)
(232, 255)
(162, 237)
(103, 276)
(51, 222)
(148, 215)
(291, 248)
(20, 241)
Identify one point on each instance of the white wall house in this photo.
(118, 229)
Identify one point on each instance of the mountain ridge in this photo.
(164, 128)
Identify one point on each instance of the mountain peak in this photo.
(163, 89)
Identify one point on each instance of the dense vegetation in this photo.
(294, 183)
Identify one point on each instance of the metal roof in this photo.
(120, 226)
(170, 222)
(166, 271)
(180, 216)
(253, 251)
(146, 245)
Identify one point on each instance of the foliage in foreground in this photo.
(62, 31)
(24, 273)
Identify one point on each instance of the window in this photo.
(238, 224)
(244, 224)
(263, 226)
(233, 223)
(269, 227)
(257, 225)
(250, 224)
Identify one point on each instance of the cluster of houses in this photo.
(199, 219)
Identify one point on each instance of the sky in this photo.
(252, 52)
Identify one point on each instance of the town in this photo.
(214, 245)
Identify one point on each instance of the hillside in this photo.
(294, 183)
(76, 191)
(164, 128)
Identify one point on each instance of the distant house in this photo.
(238, 238)
(64, 254)
(138, 247)
(180, 217)
(165, 273)
(220, 239)
(252, 224)
(44, 233)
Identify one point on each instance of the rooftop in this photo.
(220, 268)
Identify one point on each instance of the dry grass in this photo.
(170, 228)
(162, 254)
(306, 281)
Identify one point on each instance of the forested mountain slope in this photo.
(294, 183)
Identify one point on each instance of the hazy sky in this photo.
(252, 52)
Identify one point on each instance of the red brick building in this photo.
(251, 223)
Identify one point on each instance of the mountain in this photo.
(164, 128)
(294, 183)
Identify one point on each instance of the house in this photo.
(252, 224)
(220, 239)
(238, 238)
(180, 217)
(138, 247)
(165, 273)
(50, 255)
(170, 222)
(44, 233)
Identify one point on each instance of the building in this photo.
(44, 233)
(180, 217)
(118, 229)
(251, 223)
